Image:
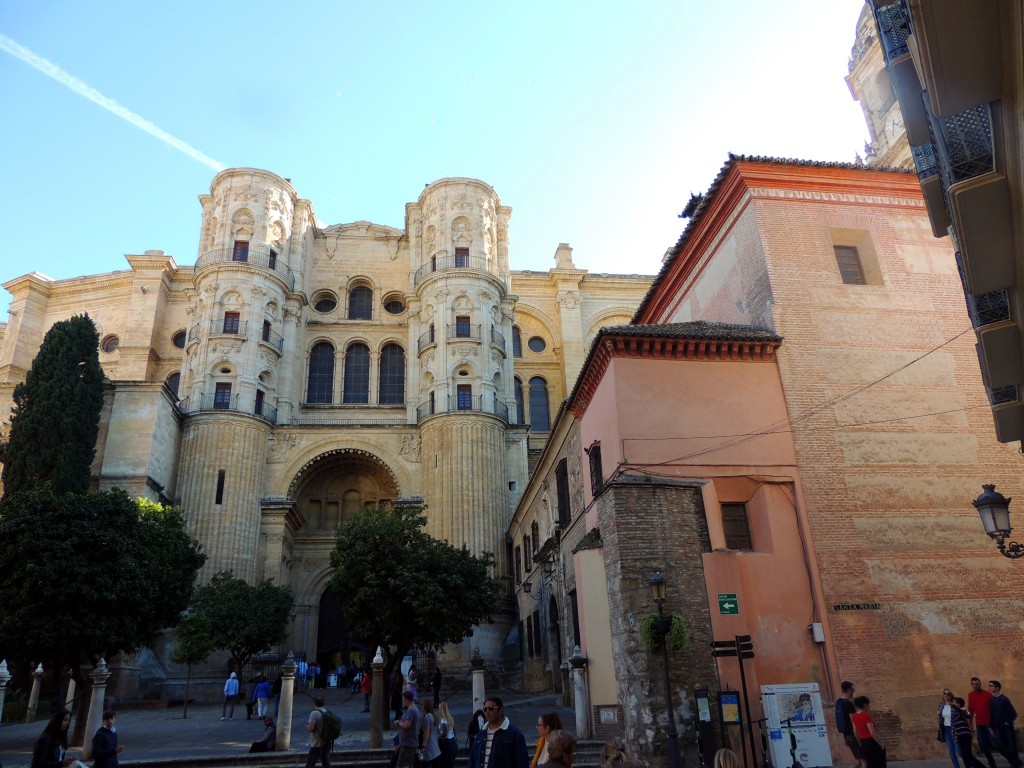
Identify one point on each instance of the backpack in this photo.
(330, 726)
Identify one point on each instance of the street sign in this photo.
(728, 605)
(720, 652)
(723, 644)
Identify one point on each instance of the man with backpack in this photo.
(324, 727)
(845, 708)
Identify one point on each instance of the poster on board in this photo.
(796, 708)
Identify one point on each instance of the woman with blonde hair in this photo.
(446, 732)
(726, 758)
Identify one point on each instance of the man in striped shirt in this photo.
(500, 744)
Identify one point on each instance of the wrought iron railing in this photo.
(456, 331)
(223, 328)
(213, 403)
(255, 255)
(894, 25)
(964, 144)
(466, 404)
(1000, 395)
(497, 339)
(194, 331)
(267, 411)
(274, 339)
(988, 308)
(426, 340)
(441, 263)
(925, 161)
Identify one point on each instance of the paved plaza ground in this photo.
(162, 736)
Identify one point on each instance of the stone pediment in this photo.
(364, 229)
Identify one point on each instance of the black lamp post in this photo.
(994, 509)
(662, 627)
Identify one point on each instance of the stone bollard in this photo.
(377, 701)
(33, 697)
(287, 703)
(69, 700)
(479, 694)
(5, 678)
(95, 717)
(579, 692)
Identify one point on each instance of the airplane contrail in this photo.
(50, 69)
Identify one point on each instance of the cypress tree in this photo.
(56, 413)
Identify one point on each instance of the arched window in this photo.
(320, 388)
(517, 342)
(540, 419)
(357, 374)
(360, 303)
(391, 390)
(520, 406)
(173, 382)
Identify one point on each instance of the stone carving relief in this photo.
(277, 234)
(428, 362)
(496, 357)
(280, 446)
(431, 239)
(569, 300)
(231, 300)
(271, 310)
(257, 291)
(226, 348)
(486, 297)
(461, 203)
(466, 351)
(410, 448)
(210, 236)
(462, 303)
(461, 229)
(269, 360)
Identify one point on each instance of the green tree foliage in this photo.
(57, 413)
(241, 618)
(91, 574)
(401, 588)
(194, 644)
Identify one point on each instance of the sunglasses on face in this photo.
(490, 709)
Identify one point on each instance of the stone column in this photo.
(95, 717)
(479, 695)
(69, 700)
(579, 691)
(33, 697)
(5, 678)
(377, 701)
(284, 710)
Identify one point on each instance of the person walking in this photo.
(500, 744)
(1002, 714)
(104, 742)
(319, 749)
(51, 748)
(411, 685)
(435, 686)
(431, 754)
(844, 709)
(446, 736)
(978, 706)
(864, 729)
(230, 694)
(409, 723)
(962, 734)
(546, 723)
(945, 726)
(262, 696)
(396, 692)
(366, 687)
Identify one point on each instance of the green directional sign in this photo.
(728, 605)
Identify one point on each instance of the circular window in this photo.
(109, 343)
(394, 306)
(179, 339)
(324, 303)
(536, 344)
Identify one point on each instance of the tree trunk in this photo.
(188, 679)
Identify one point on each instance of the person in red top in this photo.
(977, 705)
(366, 687)
(864, 730)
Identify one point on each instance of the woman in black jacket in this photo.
(50, 750)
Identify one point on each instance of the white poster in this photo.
(796, 709)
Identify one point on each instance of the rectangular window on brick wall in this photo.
(856, 258)
(850, 269)
(562, 481)
(736, 525)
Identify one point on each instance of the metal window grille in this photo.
(527, 559)
(320, 387)
(357, 374)
(736, 525)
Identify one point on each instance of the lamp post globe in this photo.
(994, 510)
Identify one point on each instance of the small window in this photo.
(431, 332)
(219, 498)
(394, 306)
(596, 471)
(519, 565)
(178, 339)
(520, 406)
(527, 555)
(222, 397)
(324, 303)
(462, 257)
(465, 397)
(562, 483)
(535, 536)
(850, 268)
(736, 526)
(109, 343)
(241, 251)
(537, 344)
(174, 382)
(273, 259)
(517, 342)
(258, 409)
(462, 327)
(360, 303)
(266, 330)
(231, 322)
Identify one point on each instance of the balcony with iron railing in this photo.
(463, 404)
(228, 327)
(459, 331)
(894, 28)
(271, 337)
(462, 262)
(265, 258)
(213, 403)
(426, 340)
(497, 339)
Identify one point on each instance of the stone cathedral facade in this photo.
(299, 372)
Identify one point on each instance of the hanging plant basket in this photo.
(670, 630)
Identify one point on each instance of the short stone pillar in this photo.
(95, 718)
(579, 691)
(33, 697)
(5, 678)
(69, 699)
(479, 694)
(377, 700)
(286, 704)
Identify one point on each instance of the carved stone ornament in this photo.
(409, 448)
(257, 291)
(280, 445)
(466, 350)
(462, 204)
(569, 300)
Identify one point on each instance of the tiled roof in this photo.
(697, 329)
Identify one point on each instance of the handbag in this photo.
(940, 736)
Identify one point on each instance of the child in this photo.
(864, 730)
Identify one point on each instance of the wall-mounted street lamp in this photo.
(994, 509)
(662, 626)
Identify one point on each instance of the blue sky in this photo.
(594, 120)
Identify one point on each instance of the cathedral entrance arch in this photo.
(337, 484)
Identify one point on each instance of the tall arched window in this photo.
(360, 303)
(174, 382)
(520, 406)
(320, 388)
(392, 375)
(540, 418)
(357, 374)
(517, 342)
